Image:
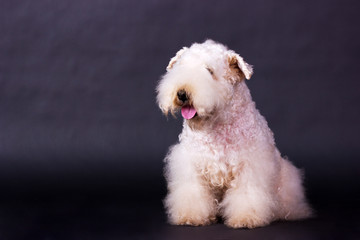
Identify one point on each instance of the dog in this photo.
(226, 163)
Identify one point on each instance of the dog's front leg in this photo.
(189, 201)
(248, 203)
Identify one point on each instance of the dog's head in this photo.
(200, 80)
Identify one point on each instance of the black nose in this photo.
(182, 96)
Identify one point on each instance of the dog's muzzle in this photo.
(183, 100)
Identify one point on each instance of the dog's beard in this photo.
(195, 115)
(203, 119)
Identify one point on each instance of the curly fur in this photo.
(226, 162)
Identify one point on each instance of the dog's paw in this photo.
(190, 206)
(192, 220)
(246, 221)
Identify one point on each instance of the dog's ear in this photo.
(174, 59)
(239, 65)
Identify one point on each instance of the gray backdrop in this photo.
(77, 80)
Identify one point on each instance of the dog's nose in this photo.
(182, 96)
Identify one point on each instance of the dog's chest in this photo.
(218, 167)
(216, 173)
(217, 154)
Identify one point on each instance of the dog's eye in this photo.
(210, 70)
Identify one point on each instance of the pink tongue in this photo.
(188, 112)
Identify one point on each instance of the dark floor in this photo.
(110, 206)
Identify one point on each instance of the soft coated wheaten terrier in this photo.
(226, 163)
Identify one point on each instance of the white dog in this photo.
(226, 163)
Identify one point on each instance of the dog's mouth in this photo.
(188, 112)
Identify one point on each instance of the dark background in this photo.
(82, 140)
